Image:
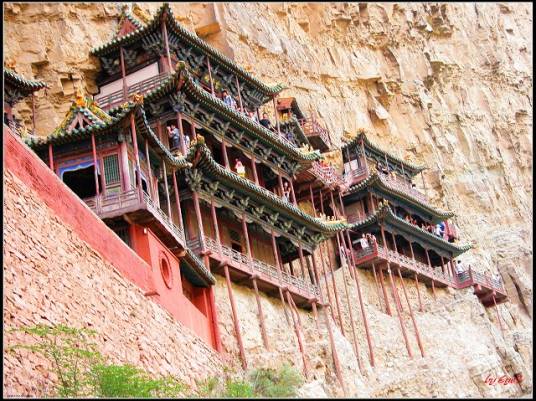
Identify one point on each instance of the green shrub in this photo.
(276, 383)
(238, 389)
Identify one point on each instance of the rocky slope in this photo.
(447, 85)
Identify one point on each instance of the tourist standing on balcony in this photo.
(460, 268)
(364, 242)
(239, 168)
(265, 122)
(186, 141)
(286, 192)
(438, 231)
(173, 134)
(228, 99)
(253, 116)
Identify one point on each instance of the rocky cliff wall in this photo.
(447, 85)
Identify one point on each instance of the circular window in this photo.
(165, 270)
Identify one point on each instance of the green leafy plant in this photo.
(283, 382)
(238, 389)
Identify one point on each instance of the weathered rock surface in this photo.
(448, 85)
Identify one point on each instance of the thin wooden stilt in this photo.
(235, 318)
(385, 298)
(279, 268)
(261, 315)
(298, 335)
(418, 292)
(377, 285)
(417, 335)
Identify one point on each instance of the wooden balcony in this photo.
(318, 136)
(485, 287)
(354, 176)
(117, 98)
(408, 267)
(139, 208)
(269, 278)
(404, 186)
(327, 174)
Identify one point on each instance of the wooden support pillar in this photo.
(235, 318)
(123, 74)
(364, 156)
(334, 284)
(431, 268)
(396, 251)
(136, 153)
(210, 77)
(254, 168)
(216, 227)
(177, 200)
(279, 269)
(167, 189)
(334, 351)
(280, 182)
(418, 292)
(377, 285)
(326, 282)
(239, 94)
(33, 113)
(214, 316)
(417, 335)
(353, 270)
(453, 271)
(298, 335)
(315, 315)
(302, 262)
(224, 154)
(292, 193)
(443, 266)
(246, 237)
(261, 315)
(50, 157)
(276, 116)
(166, 43)
(197, 208)
(393, 289)
(372, 206)
(95, 165)
(385, 298)
(335, 211)
(181, 134)
(312, 199)
(349, 306)
(151, 194)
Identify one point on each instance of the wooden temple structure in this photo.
(233, 197)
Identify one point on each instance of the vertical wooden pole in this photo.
(178, 200)
(431, 269)
(167, 188)
(33, 112)
(302, 263)
(210, 76)
(166, 41)
(123, 74)
(364, 156)
(276, 117)
(417, 335)
(235, 319)
(224, 153)
(377, 285)
(279, 269)
(418, 292)
(149, 168)
(94, 151)
(260, 314)
(372, 206)
(216, 227)
(396, 251)
(393, 289)
(312, 199)
(385, 298)
(334, 284)
(246, 237)
(326, 282)
(443, 266)
(136, 153)
(280, 182)
(239, 95)
(195, 198)
(181, 134)
(292, 193)
(334, 350)
(296, 329)
(254, 168)
(217, 336)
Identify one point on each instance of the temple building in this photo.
(175, 154)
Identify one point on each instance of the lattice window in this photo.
(111, 170)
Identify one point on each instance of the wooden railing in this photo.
(471, 277)
(116, 202)
(257, 266)
(311, 127)
(403, 186)
(327, 174)
(117, 97)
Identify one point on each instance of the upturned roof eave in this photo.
(15, 79)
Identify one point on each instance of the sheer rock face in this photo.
(447, 85)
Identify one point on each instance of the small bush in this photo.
(276, 383)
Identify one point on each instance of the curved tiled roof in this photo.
(411, 168)
(201, 153)
(15, 79)
(239, 118)
(377, 180)
(193, 39)
(384, 212)
(199, 268)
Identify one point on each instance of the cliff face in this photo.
(447, 85)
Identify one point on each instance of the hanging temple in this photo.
(203, 184)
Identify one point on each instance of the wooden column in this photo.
(280, 182)
(136, 153)
(364, 156)
(235, 318)
(224, 154)
(151, 194)
(166, 42)
(336, 292)
(276, 116)
(260, 314)
(431, 268)
(418, 292)
(312, 199)
(334, 350)
(195, 198)
(399, 313)
(417, 335)
(302, 262)
(50, 157)
(377, 285)
(254, 168)
(217, 337)
(246, 237)
(216, 227)
(453, 270)
(279, 269)
(33, 112)
(300, 343)
(94, 152)
(326, 282)
(385, 298)
(333, 205)
(292, 193)
(210, 76)
(181, 134)
(353, 270)
(372, 206)
(178, 200)
(239, 95)
(123, 74)
(443, 265)
(396, 250)
(167, 188)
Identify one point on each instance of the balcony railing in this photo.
(257, 266)
(471, 277)
(127, 201)
(328, 174)
(311, 127)
(116, 98)
(403, 186)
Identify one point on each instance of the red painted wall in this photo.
(142, 270)
(194, 313)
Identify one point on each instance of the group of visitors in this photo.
(367, 240)
(174, 138)
(437, 229)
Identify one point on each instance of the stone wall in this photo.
(52, 276)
